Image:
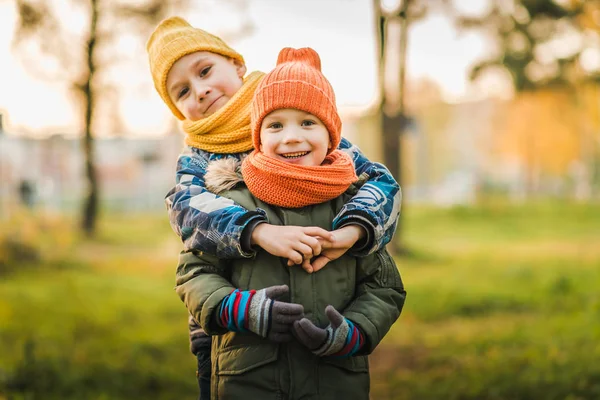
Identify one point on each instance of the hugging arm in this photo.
(376, 205)
(218, 226)
(204, 221)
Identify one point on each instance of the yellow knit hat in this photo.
(172, 39)
(297, 82)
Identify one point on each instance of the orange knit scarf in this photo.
(293, 186)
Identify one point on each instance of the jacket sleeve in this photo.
(204, 221)
(202, 282)
(379, 298)
(375, 207)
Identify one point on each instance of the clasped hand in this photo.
(312, 247)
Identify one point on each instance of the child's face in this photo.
(294, 136)
(200, 83)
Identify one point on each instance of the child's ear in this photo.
(240, 67)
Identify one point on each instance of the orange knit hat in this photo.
(297, 82)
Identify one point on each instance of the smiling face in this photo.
(295, 137)
(201, 83)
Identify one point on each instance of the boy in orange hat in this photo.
(283, 332)
(204, 83)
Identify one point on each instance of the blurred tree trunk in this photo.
(84, 60)
(90, 207)
(80, 66)
(391, 110)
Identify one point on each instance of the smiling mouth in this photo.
(211, 104)
(291, 156)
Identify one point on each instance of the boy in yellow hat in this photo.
(283, 333)
(204, 83)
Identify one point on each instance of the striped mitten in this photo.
(257, 311)
(340, 339)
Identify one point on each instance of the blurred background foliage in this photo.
(500, 226)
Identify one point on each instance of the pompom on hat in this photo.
(297, 82)
(172, 39)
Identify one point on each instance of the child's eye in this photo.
(308, 122)
(205, 71)
(275, 125)
(182, 92)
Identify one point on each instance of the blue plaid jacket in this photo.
(214, 224)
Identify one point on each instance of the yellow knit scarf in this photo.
(228, 129)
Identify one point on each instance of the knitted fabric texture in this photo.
(247, 310)
(234, 310)
(297, 82)
(228, 129)
(344, 341)
(293, 186)
(172, 39)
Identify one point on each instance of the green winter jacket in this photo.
(368, 291)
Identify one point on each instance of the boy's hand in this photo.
(283, 315)
(345, 238)
(259, 312)
(297, 243)
(340, 338)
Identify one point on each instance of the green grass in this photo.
(105, 324)
(503, 303)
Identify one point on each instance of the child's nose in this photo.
(203, 94)
(291, 136)
(202, 90)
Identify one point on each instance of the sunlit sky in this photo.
(344, 40)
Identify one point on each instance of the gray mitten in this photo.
(341, 338)
(258, 312)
